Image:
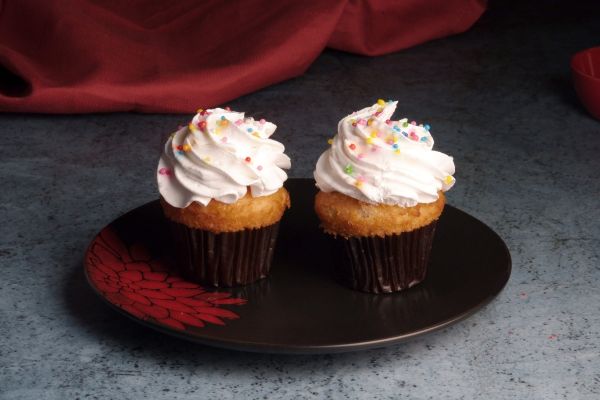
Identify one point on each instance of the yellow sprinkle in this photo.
(397, 151)
(381, 102)
(207, 159)
(224, 122)
(330, 141)
(192, 127)
(358, 184)
(370, 121)
(369, 140)
(353, 121)
(374, 134)
(187, 147)
(256, 134)
(448, 180)
(217, 131)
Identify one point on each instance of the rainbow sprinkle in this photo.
(359, 181)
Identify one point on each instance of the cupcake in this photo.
(381, 192)
(221, 189)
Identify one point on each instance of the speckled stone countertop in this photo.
(499, 100)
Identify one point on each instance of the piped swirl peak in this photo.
(375, 159)
(220, 155)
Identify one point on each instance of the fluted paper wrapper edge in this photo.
(384, 264)
(224, 259)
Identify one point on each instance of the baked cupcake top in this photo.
(377, 160)
(220, 155)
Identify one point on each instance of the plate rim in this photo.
(270, 348)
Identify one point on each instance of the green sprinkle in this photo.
(349, 169)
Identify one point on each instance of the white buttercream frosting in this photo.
(219, 155)
(377, 160)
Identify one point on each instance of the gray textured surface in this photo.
(528, 159)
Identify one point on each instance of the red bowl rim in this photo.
(578, 70)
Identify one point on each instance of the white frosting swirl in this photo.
(219, 155)
(376, 160)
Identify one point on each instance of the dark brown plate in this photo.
(299, 308)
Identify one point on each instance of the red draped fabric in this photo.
(69, 56)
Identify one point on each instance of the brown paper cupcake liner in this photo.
(384, 264)
(224, 259)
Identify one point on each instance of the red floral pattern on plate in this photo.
(131, 280)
